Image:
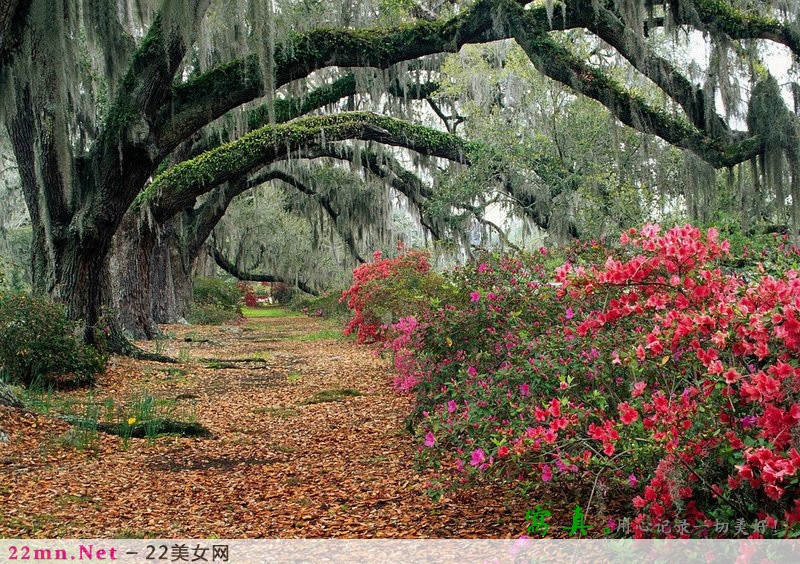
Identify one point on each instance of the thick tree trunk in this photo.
(77, 194)
(171, 274)
(152, 274)
(131, 260)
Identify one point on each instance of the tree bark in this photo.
(171, 273)
(7, 397)
(131, 267)
(77, 201)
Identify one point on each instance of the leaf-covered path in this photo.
(308, 441)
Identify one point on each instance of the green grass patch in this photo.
(336, 394)
(320, 335)
(139, 416)
(257, 356)
(266, 312)
(69, 499)
(31, 524)
(220, 365)
(279, 412)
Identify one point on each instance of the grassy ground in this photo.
(267, 312)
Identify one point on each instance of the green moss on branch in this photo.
(180, 185)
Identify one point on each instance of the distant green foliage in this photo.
(283, 293)
(206, 314)
(326, 305)
(40, 345)
(222, 294)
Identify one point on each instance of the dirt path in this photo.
(278, 465)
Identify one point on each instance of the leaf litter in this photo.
(308, 442)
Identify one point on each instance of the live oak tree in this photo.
(112, 108)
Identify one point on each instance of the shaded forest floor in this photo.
(307, 441)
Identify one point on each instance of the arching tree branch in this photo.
(721, 16)
(287, 109)
(179, 186)
(234, 271)
(210, 95)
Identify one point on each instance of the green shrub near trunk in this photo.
(39, 344)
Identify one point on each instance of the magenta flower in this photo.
(430, 440)
(474, 296)
(632, 481)
(478, 457)
(547, 473)
(451, 406)
(471, 371)
(525, 389)
(569, 314)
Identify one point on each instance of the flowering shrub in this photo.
(386, 289)
(715, 380)
(650, 371)
(250, 298)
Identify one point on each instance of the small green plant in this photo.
(185, 354)
(85, 435)
(160, 345)
(40, 345)
(141, 416)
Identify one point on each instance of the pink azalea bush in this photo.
(645, 367)
(387, 287)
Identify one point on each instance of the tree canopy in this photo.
(146, 120)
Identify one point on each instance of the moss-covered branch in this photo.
(179, 186)
(609, 26)
(201, 100)
(125, 154)
(287, 109)
(558, 63)
(208, 96)
(721, 16)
